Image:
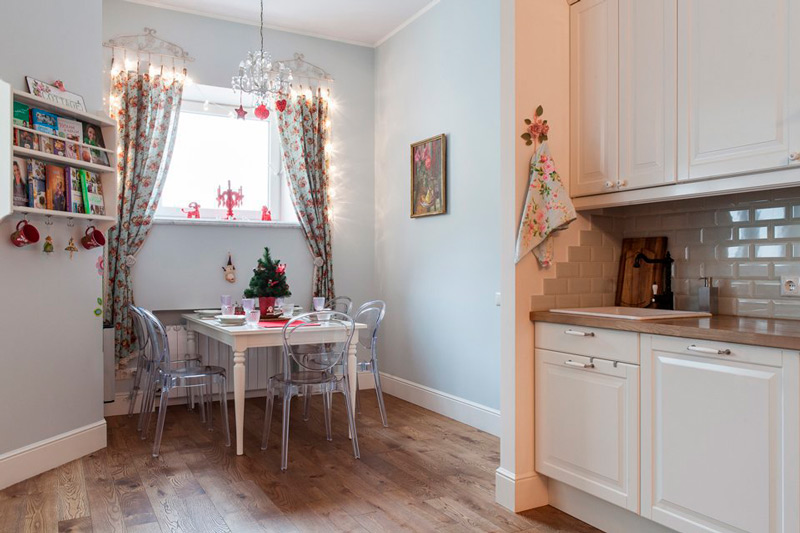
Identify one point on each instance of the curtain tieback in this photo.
(318, 262)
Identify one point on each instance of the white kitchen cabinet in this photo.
(586, 424)
(738, 96)
(594, 95)
(719, 436)
(647, 93)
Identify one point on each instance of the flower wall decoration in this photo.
(536, 129)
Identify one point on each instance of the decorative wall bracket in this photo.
(303, 70)
(148, 43)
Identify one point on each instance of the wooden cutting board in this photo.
(635, 285)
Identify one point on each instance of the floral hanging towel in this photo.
(547, 209)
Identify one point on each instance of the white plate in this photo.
(207, 312)
(231, 319)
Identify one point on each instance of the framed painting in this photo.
(429, 177)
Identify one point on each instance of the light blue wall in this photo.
(439, 274)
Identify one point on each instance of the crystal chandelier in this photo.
(259, 76)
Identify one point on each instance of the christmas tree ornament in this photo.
(240, 112)
(261, 112)
(229, 199)
(280, 105)
(229, 271)
(47, 247)
(267, 284)
(71, 248)
(193, 211)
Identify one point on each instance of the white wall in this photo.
(439, 274)
(187, 260)
(51, 375)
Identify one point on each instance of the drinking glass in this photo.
(227, 309)
(287, 309)
(226, 299)
(252, 317)
(319, 303)
(248, 304)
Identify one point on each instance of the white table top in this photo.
(249, 330)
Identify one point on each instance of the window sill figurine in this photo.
(193, 211)
(266, 214)
(229, 271)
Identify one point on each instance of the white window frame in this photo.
(278, 198)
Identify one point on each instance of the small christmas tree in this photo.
(269, 279)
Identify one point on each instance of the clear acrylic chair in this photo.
(341, 304)
(311, 368)
(371, 314)
(144, 368)
(165, 378)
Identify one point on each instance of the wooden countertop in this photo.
(770, 332)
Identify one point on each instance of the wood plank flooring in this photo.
(423, 473)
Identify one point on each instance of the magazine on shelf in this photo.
(46, 144)
(22, 115)
(27, 139)
(60, 147)
(37, 184)
(92, 135)
(56, 188)
(93, 193)
(86, 154)
(74, 190)
(19, 176)
(71, 129)
(44, 121)
(99, 157)
(72, 150)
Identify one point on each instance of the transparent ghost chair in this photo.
(371, 314)
(165, 378)
(144, 367)
(341, 304)
(310, 367)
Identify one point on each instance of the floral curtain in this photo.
(146, 108)
(303, 127)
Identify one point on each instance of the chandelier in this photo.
(258, 76)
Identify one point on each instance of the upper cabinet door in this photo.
(593, 96)
(738, 94)
(648, 88)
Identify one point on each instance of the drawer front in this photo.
(592, 342)
(727, 351)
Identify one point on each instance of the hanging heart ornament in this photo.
(280, 105)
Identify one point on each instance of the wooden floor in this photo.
(423, 473)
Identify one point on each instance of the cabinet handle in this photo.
(622, 183)
(609, 184)
(578, 365)
(579, 333)
(700, 349)
(794, 156)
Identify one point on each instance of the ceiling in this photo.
(364, 22)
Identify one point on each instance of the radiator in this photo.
(261, 363)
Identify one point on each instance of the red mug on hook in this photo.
(93, 238)
(25, 235)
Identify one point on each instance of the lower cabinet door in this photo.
(713, 440)
(587, 425)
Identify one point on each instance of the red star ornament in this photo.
(240, 113)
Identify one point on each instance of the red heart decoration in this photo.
(281, 105)
(261, 112)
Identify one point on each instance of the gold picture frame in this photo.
(429, 177)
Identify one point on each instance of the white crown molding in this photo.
(240, 20)
(408, 21)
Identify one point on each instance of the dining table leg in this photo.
(239, 379)
(352, 371)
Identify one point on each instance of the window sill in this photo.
(272, 224)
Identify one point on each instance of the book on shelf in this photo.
(44, 121)
(22, 115)
(27, 139)
(72, 150)
(60, 147)
(70, 129)
(74, 190)
(46, 144)
(86, 154)
(93, 135)
(37, 184)
(99, 157)
(19, 175)
(56, 188)
(93, 193)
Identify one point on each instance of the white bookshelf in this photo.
(108, 174)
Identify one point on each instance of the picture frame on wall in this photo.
(55, 95)
(429, 177)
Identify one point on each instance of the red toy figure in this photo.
(193, 211)
(230, 199)
(266, 215)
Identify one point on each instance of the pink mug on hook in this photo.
(25, 235)
(93, 238)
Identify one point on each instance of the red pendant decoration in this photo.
(280, 105)
(261, 112)
(240, 112)
(229, 199)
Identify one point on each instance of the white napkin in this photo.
(547, 209)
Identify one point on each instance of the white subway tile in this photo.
(770, 213)
(753, 233)
(733, 252)
(757, 308)
(753, 270)
(770, 250)
(767, 289)
(786, 269)
(733, 216)
(787, 232)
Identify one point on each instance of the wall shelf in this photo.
(79, 143)
(47, 105)
(33, 211)
(60, 159)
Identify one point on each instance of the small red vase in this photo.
(266, 305)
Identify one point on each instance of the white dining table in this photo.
(240, 338)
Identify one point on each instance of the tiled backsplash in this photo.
(745, 242)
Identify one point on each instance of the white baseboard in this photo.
(465, 411)
(23, 463)
(520, 492)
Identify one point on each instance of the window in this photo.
(212, 149)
